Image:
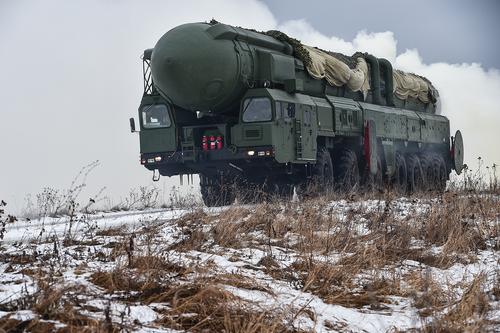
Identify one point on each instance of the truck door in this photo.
(158, 132)
(306, 131)
(285, 120)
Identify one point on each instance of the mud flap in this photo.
(156, 175)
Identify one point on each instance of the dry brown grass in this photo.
(474, 301)
(460, 225)
(148, 276)
(334, 258)
(110, 232)
(467, 314)
(72, 323)
(455, 222)
(53, 305)
(428, 295)
(201, 307)
(116, 280)
(337, 284)
(192, 225)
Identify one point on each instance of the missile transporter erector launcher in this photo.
(245, 109)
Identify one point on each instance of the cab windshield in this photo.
(155, 116)
(257, 109)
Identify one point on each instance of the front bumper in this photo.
(241, 160)
(200, 156)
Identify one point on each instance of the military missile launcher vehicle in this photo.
(246, 109)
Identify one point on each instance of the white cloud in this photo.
(303, 31)
(470, 99)
(380, 44)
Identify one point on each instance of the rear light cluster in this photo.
(260, 153)
(211, 142)
(151, 160)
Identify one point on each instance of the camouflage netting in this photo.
(415, 86)
(339, 69)
(338, 73)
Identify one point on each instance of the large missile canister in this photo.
(196, 71)
(208, 66)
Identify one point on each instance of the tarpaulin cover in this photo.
(336, 72)
(323, 65)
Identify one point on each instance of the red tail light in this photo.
(204, 142)
(212, 142)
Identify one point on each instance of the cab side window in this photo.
(257, 109)
(155, 116)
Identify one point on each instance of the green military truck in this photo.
(246, 109)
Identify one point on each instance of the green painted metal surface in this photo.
(211, 69)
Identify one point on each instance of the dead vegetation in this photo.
(222, 271)
(212, 308)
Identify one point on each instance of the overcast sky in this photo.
(453, 31)
(70, 73)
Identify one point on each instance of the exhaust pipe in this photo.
(386, 68)
(375, 78)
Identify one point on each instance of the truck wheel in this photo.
(247, 192)
(323, 171)
(400, 177)
(279, 190)
(322, 177)
(214, 193)
(415, 174)
(347, 174)
(427, 172)
(440, 173)
(374, 182)
(285, 190)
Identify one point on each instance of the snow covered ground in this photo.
(318, 266)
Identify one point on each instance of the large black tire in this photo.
(428, 172)
(435, 173)
(322, 176)
(246, 192)
(374, 182)
(279, 190)
(347, 172)
(252, 193)
(400, 177)
(215, 193)
(323, 171)
(415, 174)
(440, 172)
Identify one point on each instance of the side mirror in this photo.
(132, 125)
